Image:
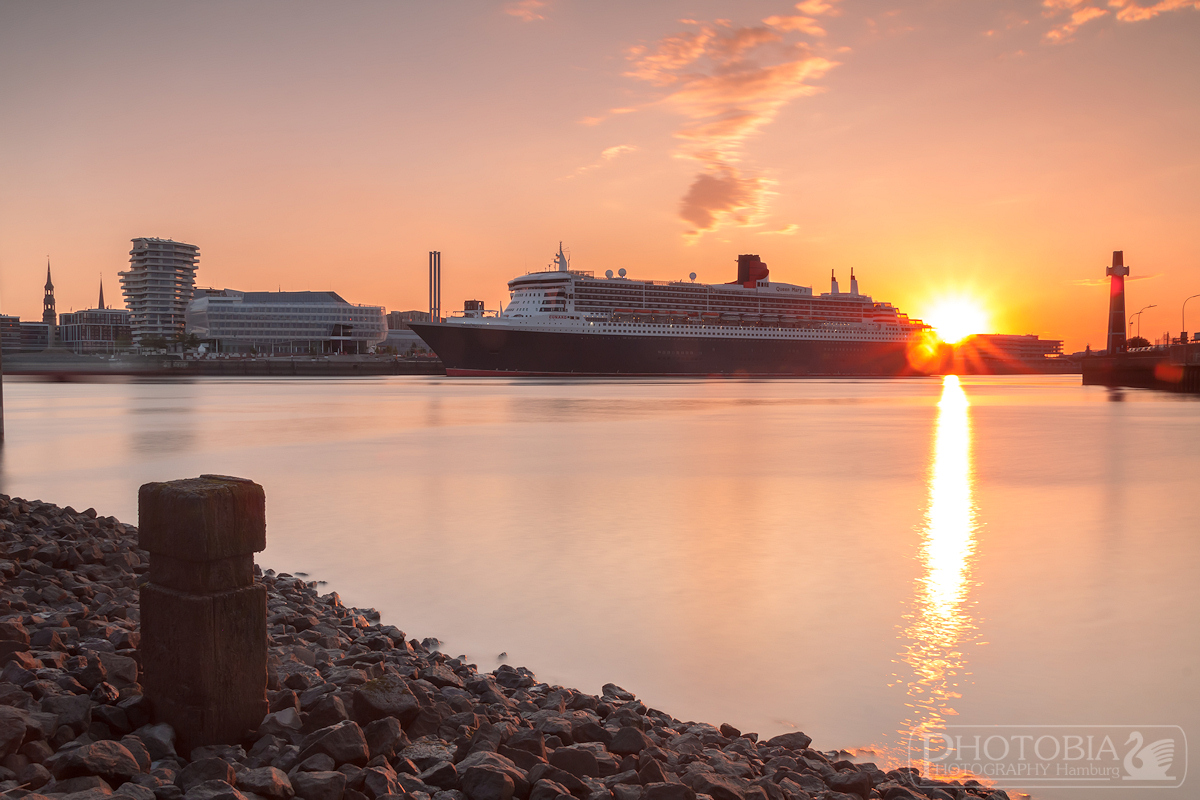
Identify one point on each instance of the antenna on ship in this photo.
(561, 260)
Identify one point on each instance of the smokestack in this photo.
(1116, 302)
(853, 283)
(833, 282)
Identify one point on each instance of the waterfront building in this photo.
(283, 322)
(35, 336)
(398, 320)
(1013, 347)
(48, 315)
(10, 333)
(96, 330)
(158, 286)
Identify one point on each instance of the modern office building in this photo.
(158, 286)
(35, 336)
(283, 322)
(10, 333)
(95, 330)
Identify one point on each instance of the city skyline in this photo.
(999, 151)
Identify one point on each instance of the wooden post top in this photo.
(209, 518)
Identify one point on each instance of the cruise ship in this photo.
(567, 322)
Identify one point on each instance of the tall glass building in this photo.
(284, 322)
(158, 285)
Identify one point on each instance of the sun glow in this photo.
(956, 318)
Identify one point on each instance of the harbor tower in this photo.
(1116, 303)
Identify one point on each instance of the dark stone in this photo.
(629, 741)
(377, 782)
(793, 741)
(106, 758)
(74, 711)
(578, 761)
(547, 772)
(384, 737)
(858, 783)
(214, 790)
(387, 696)
(668, 791)
(343, 742)
(329, 710)
(728, 731)
(206, 769)
(718, 787)
(487, 783)
(13, 724)
(319, 785)
(137, 710)
(652, 772)
(443, 775)
(549, 790)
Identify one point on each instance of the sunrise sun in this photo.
(956, 318)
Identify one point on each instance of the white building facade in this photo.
(158, 286)
(284, 323)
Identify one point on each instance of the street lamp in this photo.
(1139, 318)
(1183, 316)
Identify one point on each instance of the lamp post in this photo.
(1139, 318)
(1183, 326)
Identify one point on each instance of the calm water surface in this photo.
(850, 558)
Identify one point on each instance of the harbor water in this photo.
(856, 559)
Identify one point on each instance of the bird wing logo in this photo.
(1151, 762)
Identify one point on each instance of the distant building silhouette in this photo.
(48, 315)
(158, 286)
(96, 330)
(283, 322)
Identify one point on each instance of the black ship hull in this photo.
(489, 351)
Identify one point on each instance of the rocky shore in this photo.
(358, 711)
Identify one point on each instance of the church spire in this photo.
(49, 283)
(101, 306)
(49, 317)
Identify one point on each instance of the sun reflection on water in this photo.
(939, 625)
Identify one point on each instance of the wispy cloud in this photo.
(1080, 12)
(727, 82)
(606, 155)
(787, 230)
(527, 10)
(1106, 281)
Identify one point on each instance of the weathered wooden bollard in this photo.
(204, 620)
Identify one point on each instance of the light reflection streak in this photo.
(939, 625)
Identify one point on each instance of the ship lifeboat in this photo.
(770, 319)
(731, 319)
(751, 319)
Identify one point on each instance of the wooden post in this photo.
(204, 619)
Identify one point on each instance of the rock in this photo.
(578, 761)
(159, 740)
(135, 792)
(384, 736)
(487, 783)
(34, 776)
(443, 775)
(378, 782)
(857, 783)
(549, 790)
(668, 791)
(205, 769)
(13, 631)
(629, 741)
(13, 723)
(318, 762)
(266, 782)
(319, 785)
(213, 790)
(74, 711)
(387, 696)
(793, 741)
(327, 711)
(105, 758)
(652, 772)
(343, 742)
(718, 787)
(281, 723)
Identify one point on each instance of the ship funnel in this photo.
(853, 283)
(751, 270)
(1116, 302)
(833, 287)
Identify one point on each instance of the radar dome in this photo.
(621, 272)
(608, 273)
(692, 276)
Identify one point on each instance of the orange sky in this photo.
(999, 149)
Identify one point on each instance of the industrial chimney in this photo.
(1116, 303)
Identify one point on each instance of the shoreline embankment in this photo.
(357, 710)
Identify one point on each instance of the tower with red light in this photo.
(1116, 302)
